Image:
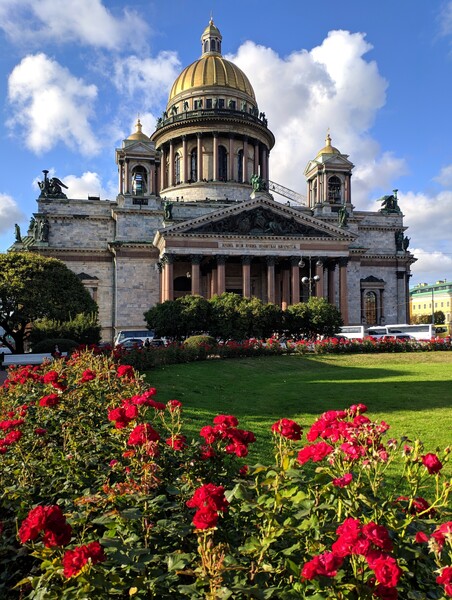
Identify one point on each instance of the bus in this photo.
(142, 334)
(421, 331)
(353, 332)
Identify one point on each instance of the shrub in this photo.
(200, 341)
(84, 329)
(49, 345)
(103, 496)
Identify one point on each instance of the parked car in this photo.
(131, 343)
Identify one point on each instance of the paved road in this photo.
(2, 376)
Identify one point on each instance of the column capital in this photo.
(271, 260)
(196, 259)
(343, 261)
(215, 134)
(221, 259)
(167, 258)
(246, 260)
(294, 261)
(198, 134)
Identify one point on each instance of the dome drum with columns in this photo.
(187, 220)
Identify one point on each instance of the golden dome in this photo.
(212, 70)
(139, 135)
(328, 148)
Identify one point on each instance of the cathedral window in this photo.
(221, 103)
(139, 181)
(334, 189)
(240, 166)
(194, 165)
(209, 103)
(213, 45)
(177, 162)
(222, 163)
(370, 308)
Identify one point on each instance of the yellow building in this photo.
(426, 299)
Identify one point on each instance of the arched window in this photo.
(194, 165)
(213, 45)
(370, 308)
(139, 181)
(177, 168)
(314, 192)
(206, 47)
(240, 166)
(334, 189)
(222, 163)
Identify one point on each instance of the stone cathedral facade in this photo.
(195, 214)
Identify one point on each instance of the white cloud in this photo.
(430, 266)
(51, 106)
(332, 86)
(445, 19)
(151, 76)
(445, 176)
(10, 213)
(84, 21)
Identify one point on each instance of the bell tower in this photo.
(136, 161)
(329, 179)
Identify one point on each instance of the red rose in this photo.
(325, 564)
(226, 420)
(50, 377)
(125, 371)
(75, 560)
(385, 593)
(209, 495)
(445, 579)
(51, 521)
(209, 434)
(143, 434)
(205, 518)
(288, 429)
(87, 375)
(207, 452)
(50, 400)
(432, 463)
(316, 452)
(421, 537)
(174, 405)
(386, 570)
(177, 442)
(343, 481)
(378, 535)
(40, 431)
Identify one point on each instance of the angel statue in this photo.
(51, 188)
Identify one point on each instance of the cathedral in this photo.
(196, 214)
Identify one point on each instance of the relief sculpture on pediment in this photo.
(259, 222)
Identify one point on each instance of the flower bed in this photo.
(103, 496)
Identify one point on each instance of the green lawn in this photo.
(411, 392)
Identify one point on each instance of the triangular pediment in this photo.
(258, 218)
(331, 161)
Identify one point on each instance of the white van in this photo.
(140, 334)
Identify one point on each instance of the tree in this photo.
(229, 317)
(438, 316)
(178, 319)
(36, 287)
(314, 318)
(83, 328)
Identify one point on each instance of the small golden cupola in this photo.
(138, 135)
(328, 148)
(211, 39)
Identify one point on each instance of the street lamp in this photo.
(311, 280)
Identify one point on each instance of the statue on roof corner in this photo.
(51, 188)
(258, 183)
(389, 204)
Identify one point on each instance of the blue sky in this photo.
(75, 75)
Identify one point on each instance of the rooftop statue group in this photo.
(258, 183)
(51, 188)
(389, 204)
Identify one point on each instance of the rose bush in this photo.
(103, 496)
